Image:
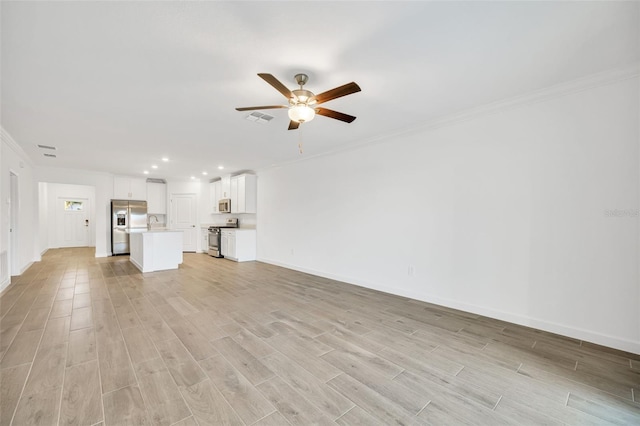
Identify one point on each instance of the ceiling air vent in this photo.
(259, 117)
(50, 155)
(47, 147)
(156, 180)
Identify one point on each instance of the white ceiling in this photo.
(117, 85)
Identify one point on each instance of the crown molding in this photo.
(11, 143)
(548, 93)
(552, 92)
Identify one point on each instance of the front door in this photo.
(183, 217)
(73, 222)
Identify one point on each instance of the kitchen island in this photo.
(155, 250)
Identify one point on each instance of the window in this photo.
(75, 206)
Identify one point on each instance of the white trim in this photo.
(4, 285)
(564, 330)
(24, 268)
(638, 260)
(552, 92)
(13, 245)
(11, 143)
(546, 94)
(103, 254)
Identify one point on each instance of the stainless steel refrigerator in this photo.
(126, 216)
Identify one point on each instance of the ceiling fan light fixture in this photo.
(303, 104)
(301, 113)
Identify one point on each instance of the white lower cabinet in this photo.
(239, 244)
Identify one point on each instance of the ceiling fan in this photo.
(303, 103)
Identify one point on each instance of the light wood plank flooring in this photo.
(91, 341)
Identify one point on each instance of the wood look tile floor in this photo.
(89, 341)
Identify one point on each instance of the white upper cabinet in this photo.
(235, 202)
(243, 194)
(156, 198)
(225, 187)
(215, 194)
(126, 188)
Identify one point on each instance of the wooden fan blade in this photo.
(293, 125)
(335, 114)
(261, 107)
(277, 85)
(338, 92)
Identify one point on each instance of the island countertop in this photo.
(156, 249)
(150, 231)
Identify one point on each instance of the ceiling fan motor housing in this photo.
(302, 96)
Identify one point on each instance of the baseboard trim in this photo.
(4, 285)
(137, 265)
(24, 268)
(103, 254)
(551, 327)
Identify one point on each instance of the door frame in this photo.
(58, 216)
(14, 225)
(53, 191)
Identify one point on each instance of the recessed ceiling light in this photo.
(165, 159)
(146, 172)
(220, 167)
(204, 173)
(193, 177)
(154, 166)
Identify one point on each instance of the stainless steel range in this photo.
(215, 237)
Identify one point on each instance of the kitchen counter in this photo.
(207, 225)
(156, 249)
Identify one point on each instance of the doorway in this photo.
(14, 231)
(72, 222)
(183, 217)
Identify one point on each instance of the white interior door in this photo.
(183, 217)
(73, 222)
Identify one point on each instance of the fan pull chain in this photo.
(300, 139)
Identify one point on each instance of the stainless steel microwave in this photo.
(224, 205)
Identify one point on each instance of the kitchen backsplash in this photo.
(161, 221)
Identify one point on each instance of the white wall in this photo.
(103, 184)
(13, 159)
(503, 214)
